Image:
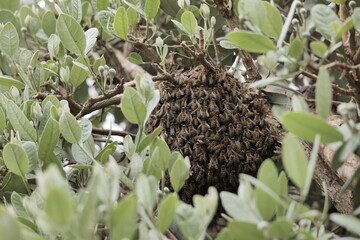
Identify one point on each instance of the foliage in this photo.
(60, 183)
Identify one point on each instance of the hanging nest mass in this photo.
(218, 122)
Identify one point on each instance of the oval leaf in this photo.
(69, 128)
(295, 160)
(323, 93)
(16, 159)
(306, 126)
(151, 8)
(49, 138)
(319, 48)
(49, 23)
(189, 22)
(71, 34)
(166, 211)
(251, 42)
(132, 106)
(58, 207)
(178, 174)
(9, 39)
(8, 82)
(20, 122)
(268, 175)
(121, 24)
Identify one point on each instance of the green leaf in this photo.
(69, 128)
(9, 39)
(31, 150)
(323, 94)
(268, 175)
(251, 42)
(106, 20)
(272, 23)
(178, 174)
(146, 191)
(163, 159)
(49, 138)
(306, 126)
(71, 34)
(323, 17)
(356, 19)
(132, 17)
(91, 35)
(282, 182)
(149, 139)
(135, 58)
(343, 28)
(8, 82)
(54, 45)
(280, 229)
(189, 221)
(166, 211)
(132, 106)
(49, 23)
(20, 122)
(2, 121)
(227, 44)
(58, 207)
(16, 159)
(350, 223)
(319, 48)
(151, 8)
(339, 1)
(102, 4)
(11, 5)
(104, 154)
(121, 24)
(124, 218)
(237, 208)
(295, 160)
(189, 22)
(75, 10)
(78, 74)
(9, 227)
(299, 104)
(17, 203)
(241, 230)
(296, 48)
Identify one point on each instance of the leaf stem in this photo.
(286, 26)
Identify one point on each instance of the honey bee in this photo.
(199, 138)
(219, 147)
(223, 118)
(210, 176)
(214, 123)
(175, 107)
(259, 143)
(213, 164)
(204, 127)
(257, 133)
(181, 117)
(203, 113)
(194, 105)
(249, 158)
(232, 130)
(257, 157)
(222, 157)
(189, 91)
(192, 131)
(247, 144)
(223, 173)
(202, 92)
(196, 121)
(200, 176)
(237, 146)
(172, 130)
(166, 96)
(247, 133)
(183, 131)
(213, 108)
(187, 149)
(250, 115)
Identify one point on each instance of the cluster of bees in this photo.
(218, 122)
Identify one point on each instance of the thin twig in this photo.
(199, 56)
(164, 75)
(342, 65)
(217, 50)
(106, 132)
(74, 106)
(340, 90)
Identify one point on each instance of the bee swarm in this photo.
(218, 122)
